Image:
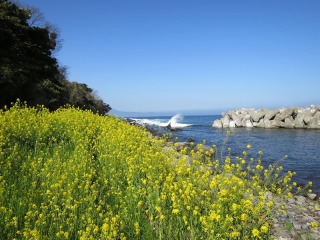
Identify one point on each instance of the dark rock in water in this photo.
(130, 120)
(173, 128)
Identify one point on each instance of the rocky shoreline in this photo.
(295, 218)
(299, 219)
(292, 117)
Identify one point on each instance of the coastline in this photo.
(293, 217)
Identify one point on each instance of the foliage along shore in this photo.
(72, 174)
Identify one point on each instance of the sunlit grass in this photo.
(71, 174)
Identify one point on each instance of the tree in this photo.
(28, 69)
(80, 95)
(25, 56)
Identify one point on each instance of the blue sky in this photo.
(172, 55)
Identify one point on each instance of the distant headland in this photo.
(292, 117)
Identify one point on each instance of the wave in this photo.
(173, 123)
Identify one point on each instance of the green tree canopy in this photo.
(25, 58)
(28, 70)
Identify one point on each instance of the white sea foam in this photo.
(173, 122)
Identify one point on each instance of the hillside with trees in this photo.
(28, 69)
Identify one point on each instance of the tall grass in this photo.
(71, 174)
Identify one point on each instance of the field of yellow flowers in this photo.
(72, 174)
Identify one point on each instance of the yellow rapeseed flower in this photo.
(314, 225)
(255, 232)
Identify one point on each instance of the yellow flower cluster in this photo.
(72, 174)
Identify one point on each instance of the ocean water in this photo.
(301, 146)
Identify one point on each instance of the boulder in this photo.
(217, 123)
(245, 119)
(259, 124)
(243, 111)
(285, 113)
(312, 196)
(225, 121)
(237, 118)
(307, 119)
(256, 115)
(248, 123)
(181, 145)
(277, 123)
(270, 114)
(232, 124)
(188, 159)
(308, 113)
(277, 117)
(289, 122)
(298, 121)
(315, 121)
(267, 123)
(298, 110)
(313, 109)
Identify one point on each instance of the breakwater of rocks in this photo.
(292, 117)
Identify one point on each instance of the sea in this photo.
(302, 146)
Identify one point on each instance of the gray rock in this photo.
(268, 196)
(315, 121)
(225, 121)
(243, 111)
(168, 149)
(237, 118)
(245, 119)
(269, 114)
(181, 145)
(298, 121)
(260, 124)
(307, 119)
(285, 113)
(291, 200)
(248, 124)
(289, 122)
(277, 117)
(298, 110)
(301, 199)
(284, 238)
(188, 159)
(232, 124)
(276, 123)
(314, 109)
(312, 196)
(307, 114)
(217, 123)
(256, 115)
(295, 223)
(267, 123)
(297, 226)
